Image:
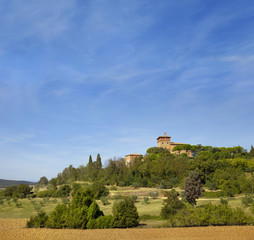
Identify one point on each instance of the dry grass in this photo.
(14, 229)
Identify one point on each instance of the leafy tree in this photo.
(99, 190)
(125, 213)
(193, 188)
(64, 191)
(171, 204)
(9, 191)
(52, 183)
(178, 149)
(22, 190)
(43, 181)
(90, 160)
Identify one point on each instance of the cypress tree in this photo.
(90, 160)
(98, 162)
(193, 188)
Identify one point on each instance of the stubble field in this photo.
(14, 229)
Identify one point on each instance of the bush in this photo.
(46, 193)
(22, 190)
(223, 201)
(153, 195)
(247, 200)
(117, 196)
(216, 194)
(146, 200)
(125, 213)
(8, 192)
(19, 204)
(75, 188)
(209, 214)
(135, 185)
(63, 191)
(58, 218)
(134, 198)
(164, 185)
(103, 222)
(81, 213)
(38, 221)
(171, 205)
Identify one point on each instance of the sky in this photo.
(110, 76)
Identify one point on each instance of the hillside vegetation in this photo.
(178, 191)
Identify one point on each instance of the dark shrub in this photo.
(247, 200)
(63, 191)
(38, 221)
(216, 194)
(134, 198)
(22, 190)
(209, 214)
(171, 205)
(104, 222)
(125, 213)
(58, 218)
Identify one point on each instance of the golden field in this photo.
(14, 229)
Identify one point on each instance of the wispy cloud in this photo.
(16, 138)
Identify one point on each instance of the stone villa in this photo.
(163, 142)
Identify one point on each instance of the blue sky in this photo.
(87, 77)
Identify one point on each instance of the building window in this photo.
(162, 142)
(167, 142)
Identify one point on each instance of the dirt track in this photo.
(11, 229)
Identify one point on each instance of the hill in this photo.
(7, 183)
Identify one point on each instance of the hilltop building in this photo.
(165, 142)
(130, 158)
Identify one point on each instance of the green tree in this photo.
(98, 163)
(38, 221)
(193, 188)
(99, 190)
(171, 204)
(22, 190)
(8, 192)
(43, 181)
(64, 191)
(90, 160)
(125, 213)
(251, 153)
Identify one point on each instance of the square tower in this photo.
(164, 141)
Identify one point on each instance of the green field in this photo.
(149, 212)
(27, 208)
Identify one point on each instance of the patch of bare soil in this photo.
(14, 229)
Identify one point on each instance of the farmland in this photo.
(14, 229)
(13, 220)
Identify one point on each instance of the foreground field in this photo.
(14, 229)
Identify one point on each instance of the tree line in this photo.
(228, 169)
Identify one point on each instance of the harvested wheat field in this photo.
(11, 229)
